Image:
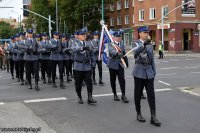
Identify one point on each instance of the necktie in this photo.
(83, 43)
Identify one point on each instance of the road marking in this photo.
(160, 90)
(191, 67)
(195, 72)
(167, 68)
(164, 82)
(167, 74)
(189, 59)
(45, 100)
(165, 61)
(104, 95)
(190, 92)
(1, 76)
(1, 103)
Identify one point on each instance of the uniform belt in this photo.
(85, 62)
(143, 63)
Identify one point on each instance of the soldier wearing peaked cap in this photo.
(144, 72)
(31, 58)
(116, 68)
(95, 50)
(67, 55)
(82, 66)
(10, 55)
(44, 56)
(56, 58)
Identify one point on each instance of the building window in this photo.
(133, 19)
(112, 7)
(118, 5)
(127, 19)
(141, 15)
(126, 39)
(165, 11)
(152, 14)
(119, 20)
(111, 21)
(126, 3)
(133, 3)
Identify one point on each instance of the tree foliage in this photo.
(72, 13)
(6, 30)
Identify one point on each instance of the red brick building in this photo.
(121, 16)
(180, 26)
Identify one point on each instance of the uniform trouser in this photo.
(16, 65)
(21, 69)
(81, 76)
(45, 68)
(160, 54)
(11, 62)
(120, 74)
(32, 67)
(60, 66)
(71, 64)
(139, 86)
(99, 65)
(67, 66)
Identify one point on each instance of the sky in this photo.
(14, 12)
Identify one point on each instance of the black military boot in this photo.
(22, 82)
(153, 120)
(116, 98)
(80, 100)
(49, 80)
(94, 82)
(62, 85)
(143, 96)
(140, 118)
(124, 99)
(68, 78)
(90, 99)
(30, 86)
(101, 82)
(54, 85)
(36, 86)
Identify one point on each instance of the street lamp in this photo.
(163, 16)
(19, 19)
(83, 21)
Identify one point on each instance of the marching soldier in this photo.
(116, 68)
(144, 72)
(95, 50)
(21, 57)
(82, 66)
(15, 56)
(56, 58)
(67, 56)
(31, 59)
(45, 58)
(10, 55)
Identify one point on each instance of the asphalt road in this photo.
(178, 111)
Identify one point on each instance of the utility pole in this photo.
(57, 15)
(164, 15)
(49, 19)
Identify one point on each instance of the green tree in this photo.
(6, 30)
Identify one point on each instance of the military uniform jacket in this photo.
(56, 50)
(71, 43)
(10, 50)
(15, 51)
(66, 50)
(113, 61)
(82, 58)
(21, 51)
(144, 67)
(31, 49)
(95, 50)
(44, 54)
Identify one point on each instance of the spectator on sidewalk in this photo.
(160, 48)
